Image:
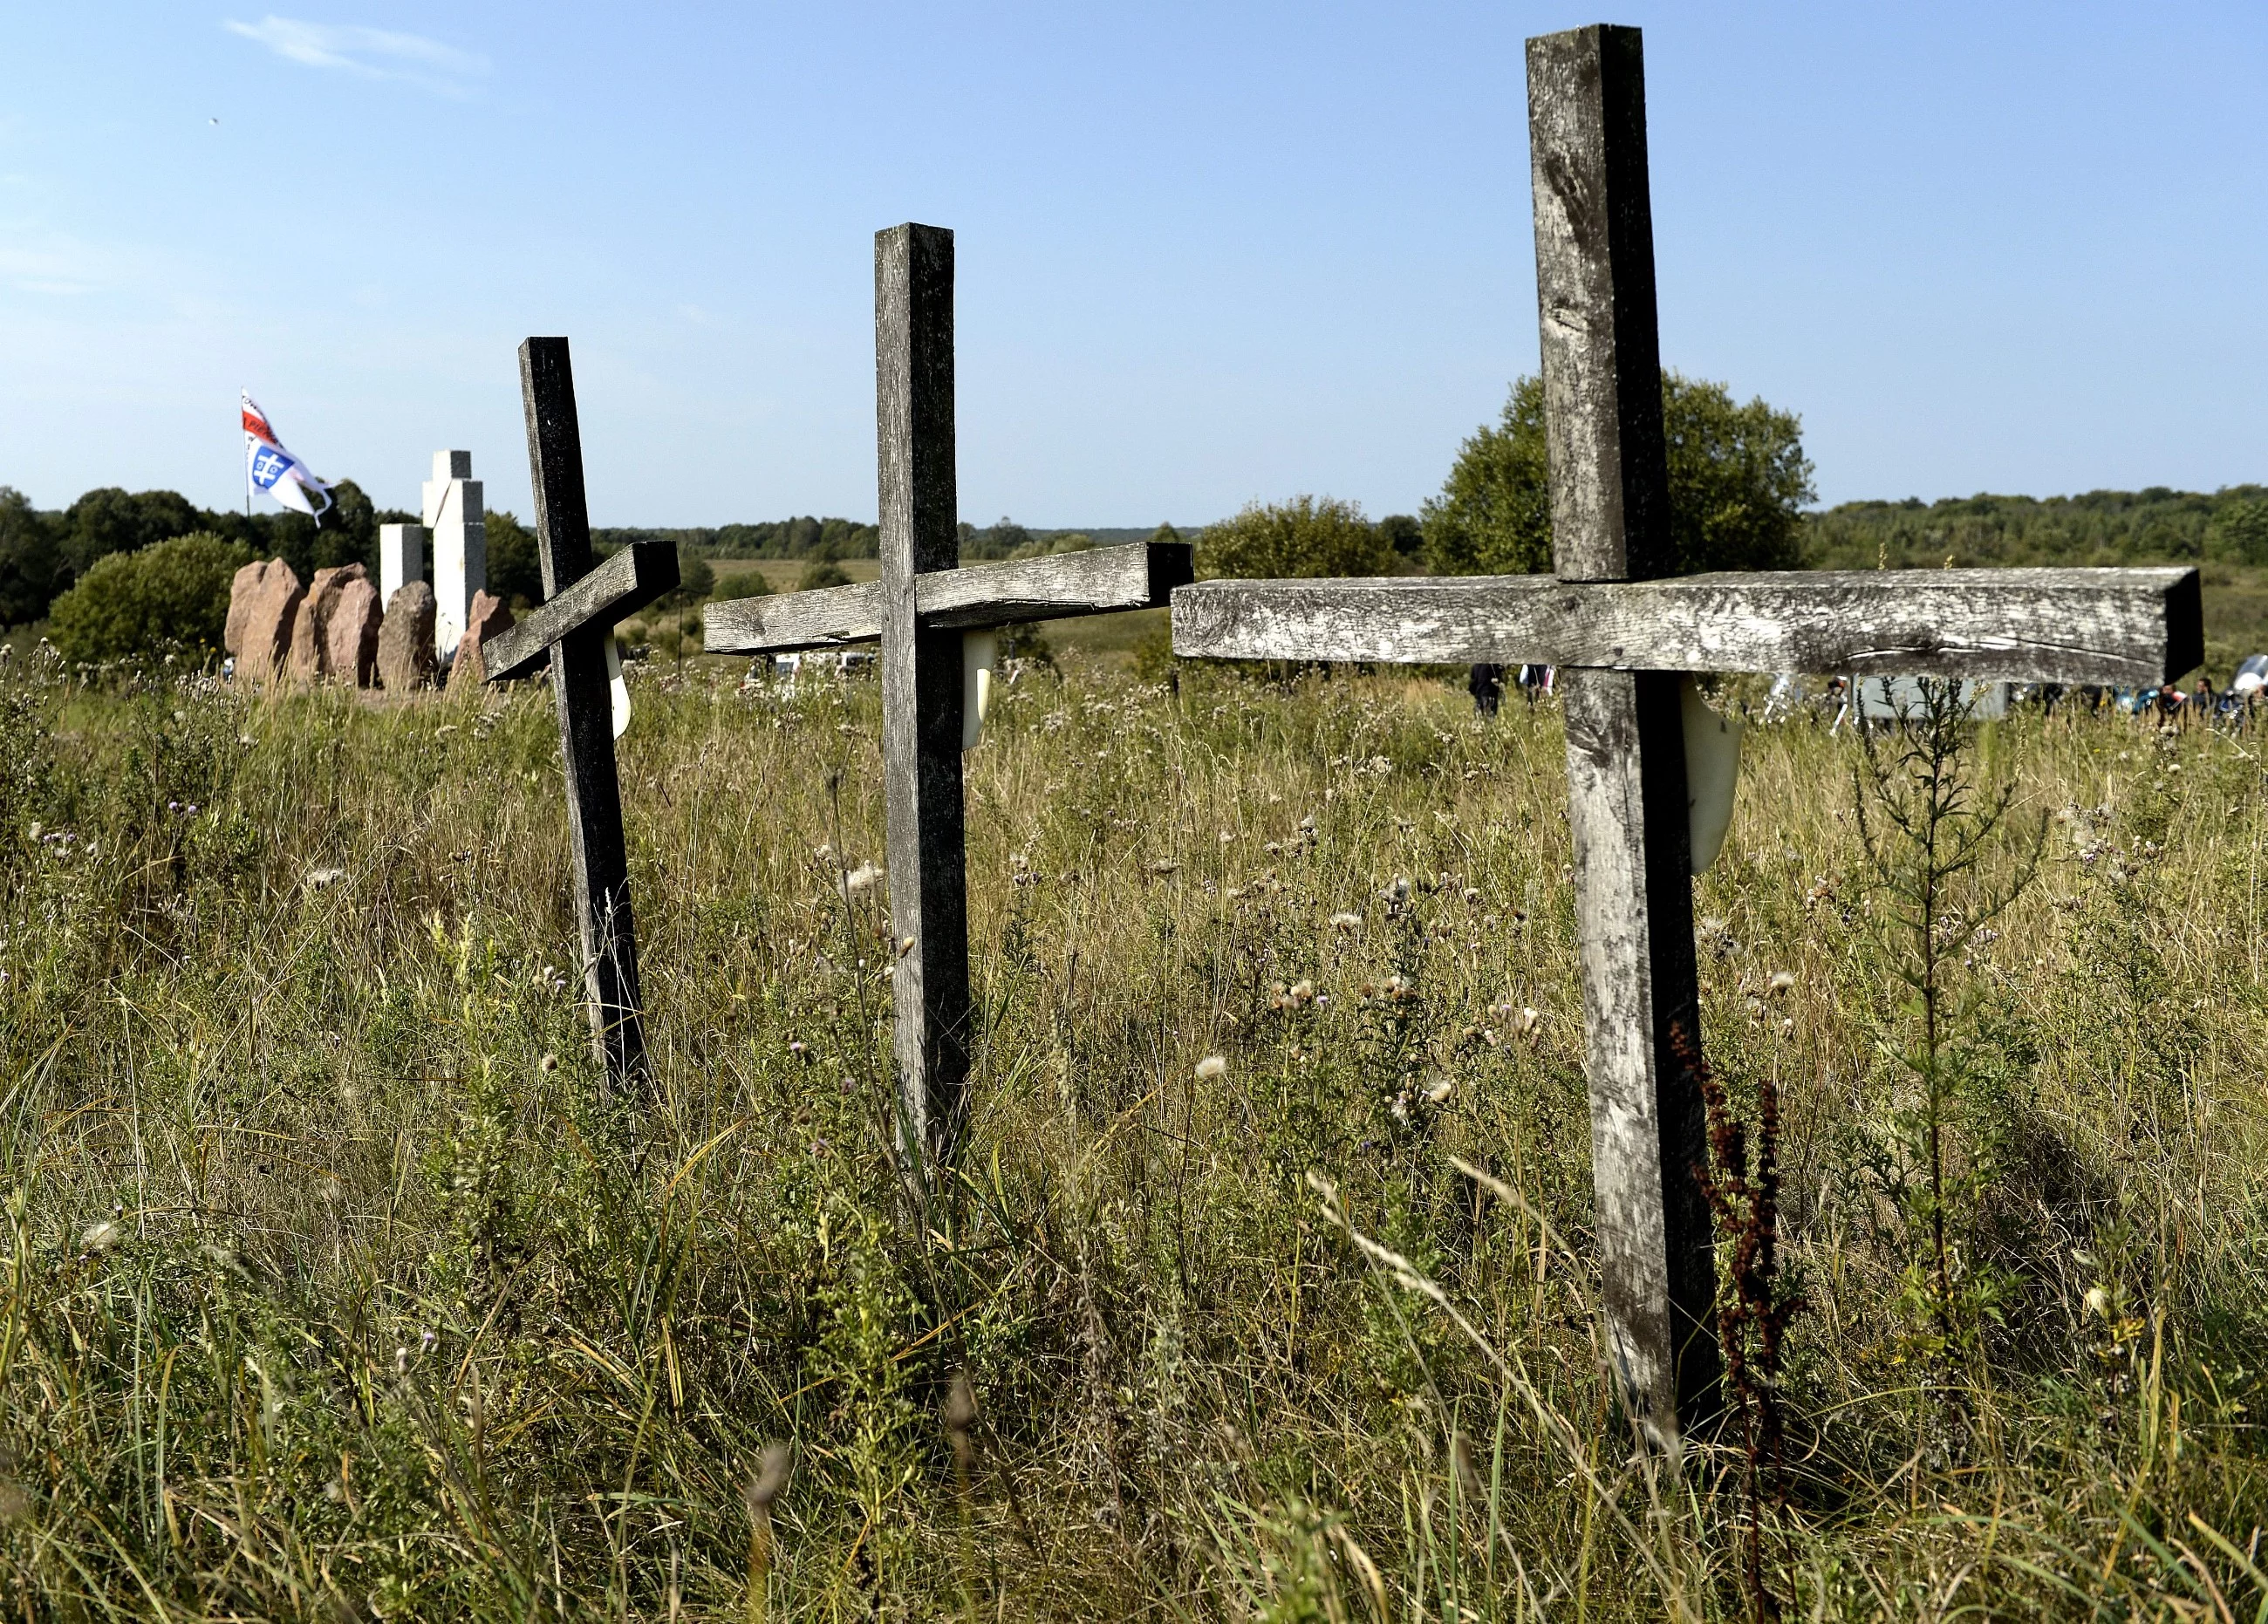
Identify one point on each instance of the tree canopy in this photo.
(31, 558)
(1738, 481)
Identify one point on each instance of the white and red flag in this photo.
(271, 468)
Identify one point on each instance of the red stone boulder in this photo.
(405, 660)
(351, 638)
(488, 616)
(263, 613)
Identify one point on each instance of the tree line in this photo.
(1740, 485)
(44, 552)
(2156, 526)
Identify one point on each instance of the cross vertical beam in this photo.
(921, 684)
(578, 682)
(1625, 743)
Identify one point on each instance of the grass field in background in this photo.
(332, 1288)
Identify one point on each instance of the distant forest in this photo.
(42, 551)
(2156, 526)
(826, 540)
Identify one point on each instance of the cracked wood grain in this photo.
(1102, 580)
(608, 937)
(609, 594)
(921, 687)
(2120, 628)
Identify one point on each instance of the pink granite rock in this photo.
(263, 613)
(350, 637)
(405, 639)
(488, 616)
(310, 659)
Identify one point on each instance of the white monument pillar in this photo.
(401, 558)
(453, 513)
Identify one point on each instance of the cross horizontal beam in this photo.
(1096, 582)
(613, 592)
(2121, 627)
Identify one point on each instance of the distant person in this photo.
(1486, 685)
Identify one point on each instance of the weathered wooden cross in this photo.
(571, 630)
(919, 609)
(1623, 638)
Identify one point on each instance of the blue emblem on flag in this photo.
(269, 465)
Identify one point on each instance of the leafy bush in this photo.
(742, 584)
(1306, 536)
(130, 605)
(823, 573)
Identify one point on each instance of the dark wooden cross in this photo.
(919, 610)
(1624, 637)
(571, 629)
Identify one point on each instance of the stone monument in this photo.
(405, 639)
(454, 514)
(401, 558)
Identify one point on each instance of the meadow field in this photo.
(334, 1288)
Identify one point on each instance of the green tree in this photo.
(1006, 539)
(347, 534)
(31, 559)
(515, 573)
(1738, 481)
(111, 520)
(821, 573)
(696, 579)
(1404, 535)
(1306, 536)
(130, 605)
(742, 584)
(2239, 533)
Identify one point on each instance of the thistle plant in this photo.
(1946, 856)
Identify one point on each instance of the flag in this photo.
(276, 471)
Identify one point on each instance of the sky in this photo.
(1206, 254)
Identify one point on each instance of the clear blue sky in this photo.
(1207, 253)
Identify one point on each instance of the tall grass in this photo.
(332, 1288)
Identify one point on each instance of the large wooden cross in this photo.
(571, 630)
(919, 610)
(1623, 638)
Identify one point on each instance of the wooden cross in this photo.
(1623, 638)
(918, 609)
(571, 630)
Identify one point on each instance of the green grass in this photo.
(332, 1288)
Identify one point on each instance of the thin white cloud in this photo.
(36, 260)
(367, 52)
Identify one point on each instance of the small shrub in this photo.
(822, 572)
(1306, 536)
(696, 579)
(742, 584)
(173, 595)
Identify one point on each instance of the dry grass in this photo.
(327, 1292)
